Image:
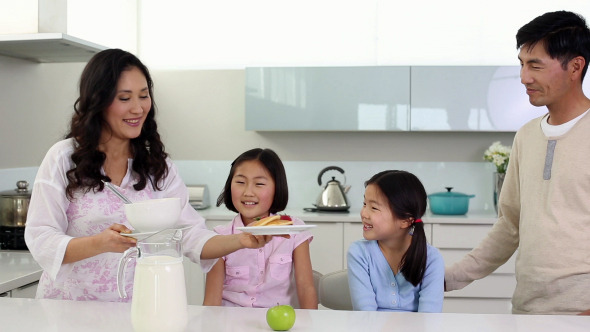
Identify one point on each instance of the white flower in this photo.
(499, 155)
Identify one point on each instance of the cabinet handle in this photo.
(29, 285)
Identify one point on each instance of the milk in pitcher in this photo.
(159, 295)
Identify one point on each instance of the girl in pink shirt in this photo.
(256, 188)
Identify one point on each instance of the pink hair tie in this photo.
(418, 220)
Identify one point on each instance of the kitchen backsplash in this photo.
(465, 177)
(9, 177)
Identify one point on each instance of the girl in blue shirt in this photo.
(394, 268)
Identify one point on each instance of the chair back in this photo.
(316, 282)
(334, 292)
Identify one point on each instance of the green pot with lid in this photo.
(449, 202)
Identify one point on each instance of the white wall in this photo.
(188, 34)
(36, 105)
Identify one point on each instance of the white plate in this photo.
(140, 235)
(143, 235)
(275, 230)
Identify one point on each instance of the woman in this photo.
(74, 223)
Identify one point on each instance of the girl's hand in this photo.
(221, 245)
(110, 240)
(247, 240)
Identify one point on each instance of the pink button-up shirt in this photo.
(261, 277)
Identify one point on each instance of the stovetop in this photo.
(12, 238)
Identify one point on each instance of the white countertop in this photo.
(472, 217)
(41, 315)
(17, 268)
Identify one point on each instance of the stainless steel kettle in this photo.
(333, 195)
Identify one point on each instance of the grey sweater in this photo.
(544, 212)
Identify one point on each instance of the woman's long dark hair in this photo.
(407, 200)
(98, 88)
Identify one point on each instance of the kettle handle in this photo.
(127, 256)
(329, 168)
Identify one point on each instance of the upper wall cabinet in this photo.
(390, 98)
(469, 98)
(328, 98)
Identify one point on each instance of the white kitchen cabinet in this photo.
(19, 274)
(387, 98)
(195, 282)
(458, 236)
(370, 98)
(326, 249)
(469, 98)
(353, 231)
(491, 294)
(193, 274)
(27, 291)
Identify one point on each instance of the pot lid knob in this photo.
(449, 189)
(21, 186)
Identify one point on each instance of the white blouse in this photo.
(53, 220)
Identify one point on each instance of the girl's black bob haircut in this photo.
(271, 161)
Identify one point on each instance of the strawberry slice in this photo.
(285, 217)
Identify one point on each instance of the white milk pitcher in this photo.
(159, 292)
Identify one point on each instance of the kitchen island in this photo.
(18, 269)
(42, 315)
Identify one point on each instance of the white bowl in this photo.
(154, 214)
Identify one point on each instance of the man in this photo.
(544, 208)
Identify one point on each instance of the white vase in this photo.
(498, 182)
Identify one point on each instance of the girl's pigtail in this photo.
(414, 261)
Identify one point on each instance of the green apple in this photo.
(280, 317)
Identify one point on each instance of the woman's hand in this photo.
(222, 245)
(109, 240)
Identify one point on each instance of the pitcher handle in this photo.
(123, 262)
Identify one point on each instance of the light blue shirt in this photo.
(373, 285)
